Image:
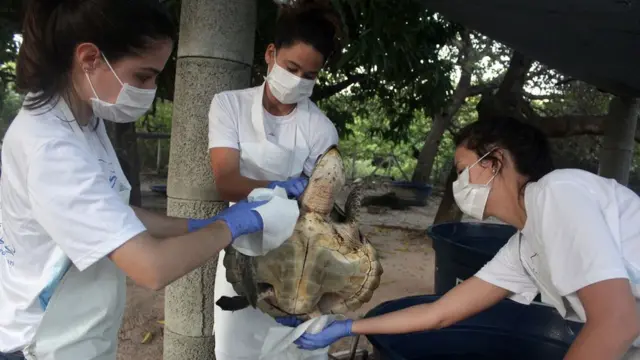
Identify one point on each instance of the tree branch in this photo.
(544, 97)
(515, 77)
(565, 82)
(569, 125)
(482, 88)
(324, 92)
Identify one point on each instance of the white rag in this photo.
(278, 344)
(279, 216)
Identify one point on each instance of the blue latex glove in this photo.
(290, 321)
(330, 334)
(240, 218)
(294, 187)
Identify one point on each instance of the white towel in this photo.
(278, 345)
(279, 217)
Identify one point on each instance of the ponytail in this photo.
(36, 64)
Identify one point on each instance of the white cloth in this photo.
(581, 229)
(64, 208)
(279, 216)
(269, 150)
(279, 342)
(231, 125)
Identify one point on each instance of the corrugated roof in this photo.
(597, 41)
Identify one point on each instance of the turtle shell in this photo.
(326, 266)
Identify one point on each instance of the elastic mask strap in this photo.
(91, 83)
(113, 71)
(275, 60)
(86, 73)
(490, 180)
(480, 159)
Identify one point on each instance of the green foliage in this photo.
(157, 121)
(10, 103)
(364, 139)
(10, 100)
(395, 47)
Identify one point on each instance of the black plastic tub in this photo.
(415, 194)
(506, 331)
(464, 248)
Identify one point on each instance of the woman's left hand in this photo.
(294, 187)
(335, 331)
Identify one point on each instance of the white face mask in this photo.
(287, 87)
(130, 105)
(471, 198)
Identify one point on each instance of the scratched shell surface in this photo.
(317, 270)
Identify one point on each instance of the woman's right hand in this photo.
(240, 218)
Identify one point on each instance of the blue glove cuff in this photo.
(273, 184)
(348, 324)
(197, 224)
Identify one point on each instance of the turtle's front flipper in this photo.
(235, 303)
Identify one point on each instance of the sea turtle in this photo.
(326, 267)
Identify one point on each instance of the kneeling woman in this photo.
(578, 244)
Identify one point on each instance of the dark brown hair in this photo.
(53, 28)
(527, 145)
(312, 22)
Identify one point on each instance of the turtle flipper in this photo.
(234, 303)
(349, 229)
(244, 280)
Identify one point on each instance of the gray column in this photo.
(215, 53)
(618, 142)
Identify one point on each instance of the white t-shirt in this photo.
(230, 121)
(57, 191)
(581, 229)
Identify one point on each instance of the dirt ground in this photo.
(399, 236)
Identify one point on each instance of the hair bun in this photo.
(296, 7)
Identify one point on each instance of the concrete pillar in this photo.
(618, 142)
(215, 53)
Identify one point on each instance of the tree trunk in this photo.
(441, 121)
(124, 140)
(424, 167)
(618, 142)
(448, 210)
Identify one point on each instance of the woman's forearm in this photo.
(160, 225)
(415, 318)
(177, 256)
(469, 298)
(238, 187)
(602, 342)
(613, 321)
(154, 263)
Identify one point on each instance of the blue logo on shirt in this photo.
(113, 179)
(6, 250)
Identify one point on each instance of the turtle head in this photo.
(325, 182)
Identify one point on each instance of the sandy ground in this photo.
(399, 236)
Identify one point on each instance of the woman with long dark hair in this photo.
(70, 236)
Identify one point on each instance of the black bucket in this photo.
(464, 248)
(506, 331)
(415, 194)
